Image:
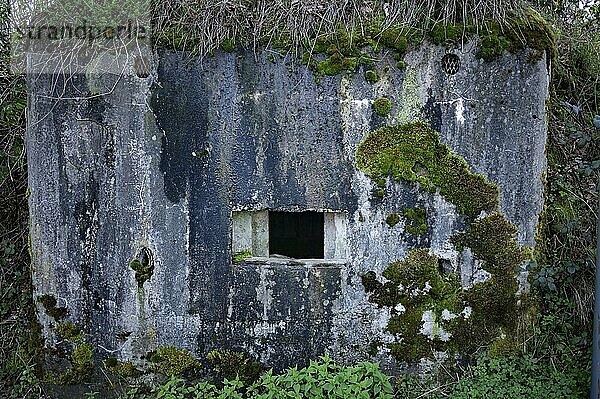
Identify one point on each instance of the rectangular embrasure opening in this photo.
(299, 235)
(264, 234)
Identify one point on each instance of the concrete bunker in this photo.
(216, 158)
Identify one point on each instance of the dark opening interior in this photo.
(297, 234)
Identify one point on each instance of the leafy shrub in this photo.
(323, 379)
(518, 377)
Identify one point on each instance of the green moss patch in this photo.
(121, 369)
(142, 266)
(69, 331)
(82, 365)
(171, 361)
(526, 29)
(382, 106)
(371, 76)
(239, 257)
(413, 152)
(417, 284)
(417, 221)
(491, 239)
(336, 64)
(228, 45)
(392, 219)
(458, 320)
(230, 365)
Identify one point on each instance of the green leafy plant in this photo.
(320, 380)
(518, 377)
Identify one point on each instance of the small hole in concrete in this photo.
(145, 257)
(444, 266)
(450, 64)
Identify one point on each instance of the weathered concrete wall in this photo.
(162, 162)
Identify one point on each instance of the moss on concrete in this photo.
(121, 369)
(458, 320)
(392, 219)
(336, 64)
(524, 30)
(416, 284)
(82, 366)
(413, 152)
(239, 257)
(228, 45)
(491, 239)
(416, 221)
(371, 76)
(528, 29)
(369, 281)
(494, 308)
(230, 365)
(382, 106)
(143, 266)
(449, 34)
(171, 361)
(69, 331)
(49, 303)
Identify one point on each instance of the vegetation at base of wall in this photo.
(82, 365)
(412, 152)
(518, 377)
(322, 379)
(121, 369)
(497, 377)
(230, 365)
